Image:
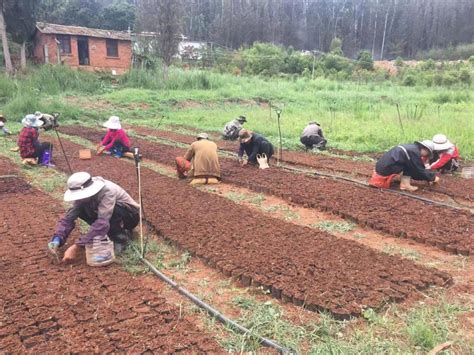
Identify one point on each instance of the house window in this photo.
(112, 47)
(64, 43)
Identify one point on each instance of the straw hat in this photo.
(81, 185)
(202, 136)
(242, 119)
(429, 145)
(113, 123)
(441, 142)
(31, 121)
(245, 135)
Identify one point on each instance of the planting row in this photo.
(452, 186)
(57, 309)
(298, 264)
(445, 228)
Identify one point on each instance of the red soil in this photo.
(71, 309)
(445, 228)
(298, 264)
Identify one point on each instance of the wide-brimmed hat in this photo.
(2, 124)
(2, 118)
(113, 123)
(245, 135)
(38, 115)
(31, 121)
(429, 145)
(81, 185)
(441, 142)
(242, 119)
(202, 136)
(314, 122)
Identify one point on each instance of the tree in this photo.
(163, 17)
(336, 46)
(119, 16)
(3, 33)
(21, 21)
(365, 61)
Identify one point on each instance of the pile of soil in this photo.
(66, 309)
(445, 228)
(298, 264)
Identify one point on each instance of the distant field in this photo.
(354, 116)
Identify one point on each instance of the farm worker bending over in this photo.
(4, 130)
(232, 129)
(30, 147)
(405, 159)
(446, 155)
(253, 144)
(116, 140)
(105, 206)
(205, 168)
(49, 121)
(312, 136)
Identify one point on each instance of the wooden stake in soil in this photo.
(400, 119)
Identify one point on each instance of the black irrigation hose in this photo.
(212, 311)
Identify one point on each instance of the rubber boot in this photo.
(406, 185)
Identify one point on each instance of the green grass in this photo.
(354, 116)
(330, 227)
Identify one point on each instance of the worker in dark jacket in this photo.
(253, 144)
(312, 136)
(405, 159)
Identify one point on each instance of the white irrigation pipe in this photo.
(212, 311)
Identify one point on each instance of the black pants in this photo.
(265, 148)
(122, 222)
(312, 141)
(41, 148)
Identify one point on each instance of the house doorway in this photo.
(83, 50)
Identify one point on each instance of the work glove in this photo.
(53, 247)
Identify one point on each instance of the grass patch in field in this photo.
(334, 227)
(404, 252)
(181, 263)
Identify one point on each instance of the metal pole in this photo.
(64, 152)
(400, 119)
(279, 133)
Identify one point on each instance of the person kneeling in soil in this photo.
(205, 168)
(232, 129)
(31, 150)
(4, 130)
(312, 137)
(446, 155)
(105, 206)
(116, 141)
(253, 144)
(405, 159)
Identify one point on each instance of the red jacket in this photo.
(113, 136)
(445, 157)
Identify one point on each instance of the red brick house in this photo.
(84, 48)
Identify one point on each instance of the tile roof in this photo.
(49, 28)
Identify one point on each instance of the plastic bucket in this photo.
(100, 252)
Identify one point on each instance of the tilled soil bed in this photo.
(450, 185)
(445, 228)
(297, 264)
(70, 309)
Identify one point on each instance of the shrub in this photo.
(399, 62)
(471, 60)
(336, 46)
(465, 77)
(335, 62)
(264, 58)
(365, 61)
(450, 79)
(409, 80)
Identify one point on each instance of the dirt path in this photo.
(298, 264)
(445, 228)
(50, 308)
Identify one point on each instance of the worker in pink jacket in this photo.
(116, 140)
(446, 158)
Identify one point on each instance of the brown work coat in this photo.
(204, 158)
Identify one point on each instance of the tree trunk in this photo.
(165, 71)
(375, 27)
(6, 50)
(384, 33)
(23, 56)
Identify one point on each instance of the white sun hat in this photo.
(38, 114)
(81, 185)
(441, 142)
(31, 121)
(202, 136)
(2, 124)
(113, 123)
